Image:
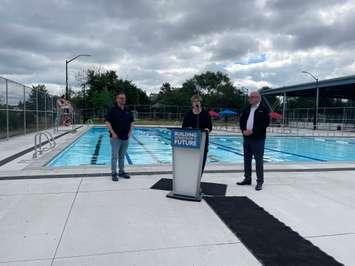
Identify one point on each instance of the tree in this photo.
(166, 88)
(99, 90)
(168, 95)
(215, 88)
(38, 93)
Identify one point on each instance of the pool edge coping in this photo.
(41, 162)
(40, 169)
(27, 150)
(19, 176)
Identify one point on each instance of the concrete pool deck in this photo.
(78, 216)
(93, 221)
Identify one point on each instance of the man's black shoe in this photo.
(114, 177)
(244, 182)
(124, 175)
(259, 186)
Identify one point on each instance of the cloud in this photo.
(258, 43)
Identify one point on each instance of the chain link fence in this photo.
(329, 118)
(24, 109)
(155, 112)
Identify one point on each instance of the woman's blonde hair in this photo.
(196, 98)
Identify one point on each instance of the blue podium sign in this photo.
(186, 138)
(188, 147)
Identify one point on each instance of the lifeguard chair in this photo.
(65, 114)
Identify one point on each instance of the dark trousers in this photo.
(254, 147)
(205, 153)
(205, 156)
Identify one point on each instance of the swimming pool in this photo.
(152, 146)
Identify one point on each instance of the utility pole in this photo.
(66, 73)
(315, 117)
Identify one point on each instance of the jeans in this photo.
(119, 148)
(254, 147)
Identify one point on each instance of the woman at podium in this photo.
(197, 117)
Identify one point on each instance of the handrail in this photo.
(39, 148)
(50, 138)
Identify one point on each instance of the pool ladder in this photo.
(40, 147)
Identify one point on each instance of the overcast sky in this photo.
(258, 43)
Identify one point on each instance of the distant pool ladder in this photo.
(41, 146)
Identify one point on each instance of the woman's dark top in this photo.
(202, 120)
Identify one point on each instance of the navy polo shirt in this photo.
(120, 121)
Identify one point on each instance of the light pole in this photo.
(245, 91)
(315, 117)
(66, 73)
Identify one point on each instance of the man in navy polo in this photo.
(119, 123)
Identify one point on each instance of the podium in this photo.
(188, 147)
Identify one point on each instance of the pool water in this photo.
(152, 146)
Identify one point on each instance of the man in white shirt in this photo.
(250, 121)
(253, 123)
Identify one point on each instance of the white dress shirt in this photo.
(250, 121)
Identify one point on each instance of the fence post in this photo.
(7, 107)
(45, 111)
(37, 113)
(52, 110)
(343, 120)
(24, 110)
(284, 109)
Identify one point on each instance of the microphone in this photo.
(198, 107)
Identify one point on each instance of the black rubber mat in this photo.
(210, 189)
(268, 239)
